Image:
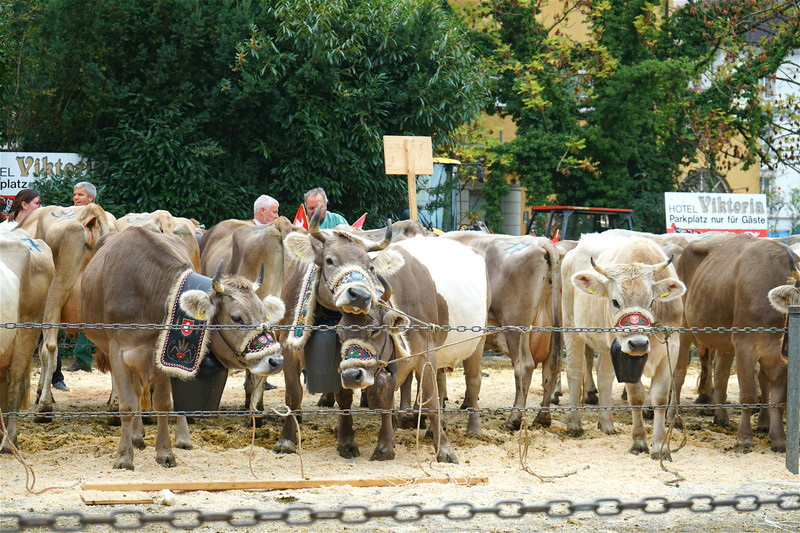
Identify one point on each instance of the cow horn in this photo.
(387, 238)
(259, 278)
(598, 268)
(313, 226)
(792, 265)
(215, 283)
(387, 288)
(661, 266)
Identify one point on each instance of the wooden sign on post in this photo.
(410, 156)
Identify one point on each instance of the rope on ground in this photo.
(524, 444)
(665, 444)
(288, 412)
(30, 475)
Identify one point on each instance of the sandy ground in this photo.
(70, 452)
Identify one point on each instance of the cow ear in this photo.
(298, 247)
(275, 309)
(387, 262)
(394, 319)
(782, 296)
(668, 289)
(197, 304)
(590, 282)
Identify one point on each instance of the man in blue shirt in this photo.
(317, 199)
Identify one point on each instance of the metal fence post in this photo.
(793, 392)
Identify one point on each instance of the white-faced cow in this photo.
(141, 277)
(524, 273)
(431, 282)
(619, 281)
(729, 280)
(72, 234)
(28, 263)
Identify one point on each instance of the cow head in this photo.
(365, 351)
(346, 278)
(233, 301)
(782, 296)
(631, 294)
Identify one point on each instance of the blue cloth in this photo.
(332, 220)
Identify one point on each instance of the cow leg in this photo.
(129, 389)
(406, 420)
(137, 432)
(776, 374)
(705, 384)
(636, 395)
(347, 446)
(287, 442)
(14, 386)
(48, 355)
(162, 401)
(522, 360)
(590, 389)
(472, 375)
(429, 406)
(679, 373)
(551, 377)
(254, 397)
(381, 396)
(183, 438)
(605, 380)
(556, 397)
(659, 395)
(326, 399)
(745, 372)
(722, 373)
(576, 368)
(762, 425)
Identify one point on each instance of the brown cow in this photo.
(72, 234)
(729, 278)
(164, 222)
(31, 262)
(134, 279)
(620, 281)
(525, 278)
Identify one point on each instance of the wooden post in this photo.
(411, 156)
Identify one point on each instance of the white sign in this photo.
(18, 170)
(698, 212)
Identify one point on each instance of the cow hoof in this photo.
(167, 461)
(429, 433)
(639, 447)
(410, 422)
(6, 447)
(703, 399)
(138, 443)
(724, 423)
(326, 400)
(348, 450)
(555, 398)
(45, 414)
(778, 447)
(762, 430)
(542, 420)
(514, 423)
(183, 444)
(284, 446)
(745, 447)
(447, 457)
(647, 414)
(114, 421)
(591, 398)
(656, 455)
(575, 432)
(474, 431)
(382, 454)
(123, 464)
(258, 422)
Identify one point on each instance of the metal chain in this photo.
(401, 513)
(366, 411)
(413, 327)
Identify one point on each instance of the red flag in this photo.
(360, 222)
(556, 236)
(300, 219)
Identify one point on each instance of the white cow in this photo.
(617, 280)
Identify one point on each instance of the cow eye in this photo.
(329, 261)
(615, 303)
(652, 302)
(236, 319)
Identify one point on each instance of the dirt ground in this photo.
(72, 451)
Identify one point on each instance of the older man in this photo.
(83, 193)
(265, 209)
(317, 199)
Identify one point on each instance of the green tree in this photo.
(612, 120)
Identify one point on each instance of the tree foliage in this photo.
(614, 119)
(199, 106)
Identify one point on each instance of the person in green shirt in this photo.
(317, 199)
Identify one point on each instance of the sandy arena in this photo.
(70, 452)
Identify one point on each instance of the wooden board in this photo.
(279, 485)
(405, 154)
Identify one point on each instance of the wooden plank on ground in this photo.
(89, 500)
(280, 485)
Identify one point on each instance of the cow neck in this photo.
(239, 355)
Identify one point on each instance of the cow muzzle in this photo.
(635, 338)
(267, 365)
(352, 291)
(359, 364)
